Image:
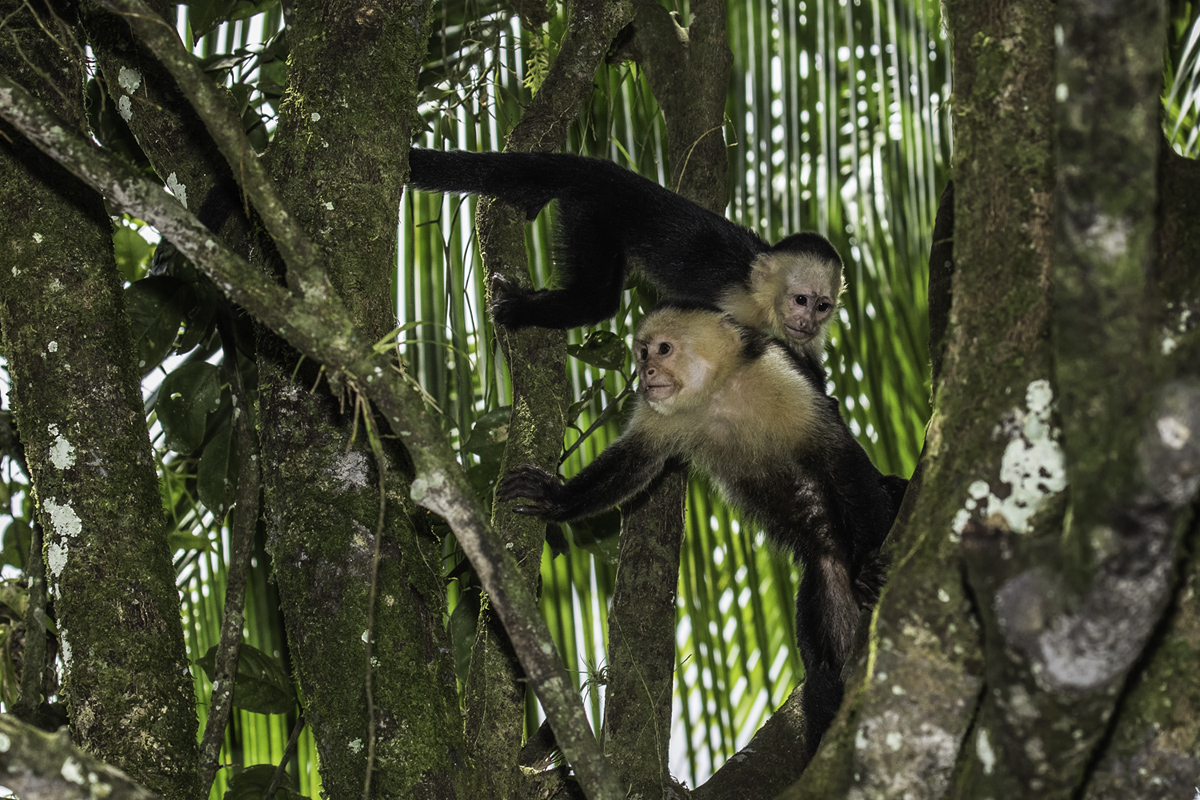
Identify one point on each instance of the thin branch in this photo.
(376, 443)
(29, 698)
(295, 248)
(245, 521)
(281, 769)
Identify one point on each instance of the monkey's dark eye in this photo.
(664, 348)
(801, 300)
(823, 307)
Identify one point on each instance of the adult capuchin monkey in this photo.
(737, 405)
(611, 220)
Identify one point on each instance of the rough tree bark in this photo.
(77, 399)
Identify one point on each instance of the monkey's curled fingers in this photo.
(505, 299)
(532, 482)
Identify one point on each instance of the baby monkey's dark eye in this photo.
(664, 348)
(823, 306)
(801, 300)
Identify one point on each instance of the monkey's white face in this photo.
(805, 303)
(667, 373)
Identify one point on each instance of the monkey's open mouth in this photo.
(658, 391)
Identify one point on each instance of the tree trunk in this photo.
(78, 404)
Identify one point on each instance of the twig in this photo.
(245, 521)
(281, 768)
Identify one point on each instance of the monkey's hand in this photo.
(539, 486)
(507, 301)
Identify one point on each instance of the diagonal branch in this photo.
(297, 250)
(318, 325)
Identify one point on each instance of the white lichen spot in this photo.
(860, 740)
(129, 79)
(983, 748)
(1168, 344)
(1032, 465)
(176, 188)
(125, 107)
(894, 741)
(64, 519)
(315, 117)
(1173, 432)
(5, 743)
(52, 347)
(350, 470)
(62, 452)
(943, 595)
(355, 745)
(960, 522)
(328, 206)
(72, 771)
(101, 790)
(366, 635)
(56, 559)
(37, 239)
(898, 690)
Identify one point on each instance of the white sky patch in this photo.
(62, 452)
(1032, 465)
(178, 189)
(65, 648)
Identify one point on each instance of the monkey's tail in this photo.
(526, 180)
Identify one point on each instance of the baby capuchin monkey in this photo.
(612, 221)
(739, 406)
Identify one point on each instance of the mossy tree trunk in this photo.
(338, 159)
(1036, 629)
(78, 405)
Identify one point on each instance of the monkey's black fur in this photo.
(609, 220)
(773, 441)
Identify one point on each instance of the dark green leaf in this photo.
(216, 475)
(179, 540)
(185, 399)
(490, 431)
(261, 685)
(598, 535)
(585, 399)
(132, 251)
(17, 535)
(601, 349)
(155, 306)
(463, 621)
(252, 783)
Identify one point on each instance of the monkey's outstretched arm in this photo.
(620, 472)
